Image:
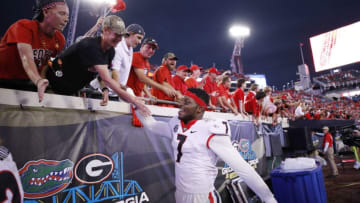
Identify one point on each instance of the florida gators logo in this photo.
(45, 178)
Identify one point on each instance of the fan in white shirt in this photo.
(197, 144)
(121, 63)
(299, 111)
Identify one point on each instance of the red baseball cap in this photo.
(214, 70)
(183, 68)
(194, 67)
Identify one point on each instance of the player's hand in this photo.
(143, 110)
(105, 97)
(41, 87)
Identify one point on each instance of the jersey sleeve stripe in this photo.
(208, 140)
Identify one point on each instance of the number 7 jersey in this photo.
(195, 162)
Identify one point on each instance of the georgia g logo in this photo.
(93, 168)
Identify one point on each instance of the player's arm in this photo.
(222, 147)
(105, 76)
(140, 73)
(153, 126)
(27, 60)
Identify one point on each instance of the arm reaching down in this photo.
(222, 147)
(153, 126)
(105, 76)
(27, 60)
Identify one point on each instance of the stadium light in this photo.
(239, 31)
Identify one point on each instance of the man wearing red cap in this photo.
(163, 76)
(195, 73)
(179, 79)
(28, 45)
(140, 68)
(211, 87)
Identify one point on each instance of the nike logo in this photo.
(193, 131)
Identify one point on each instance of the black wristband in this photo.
(105, 88)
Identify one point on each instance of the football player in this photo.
(197, 145)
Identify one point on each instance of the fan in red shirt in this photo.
(140, 68)
(179, 79)
(239, 95)
(225, 99)
(211, 87)
(28, 45)
(329, 152)
(163, 76)
(251, 106)
(195, 73)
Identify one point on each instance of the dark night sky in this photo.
(197, 30)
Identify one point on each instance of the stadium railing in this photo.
(30, 99)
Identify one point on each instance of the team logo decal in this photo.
(244, 145)
(244, 148)
(176, 128)
(44, 178)
(93, 168)
(113, 188)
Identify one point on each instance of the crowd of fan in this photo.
(262, 103)
(339, 80)
(309, 106)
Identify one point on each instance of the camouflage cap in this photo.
(115, 23)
